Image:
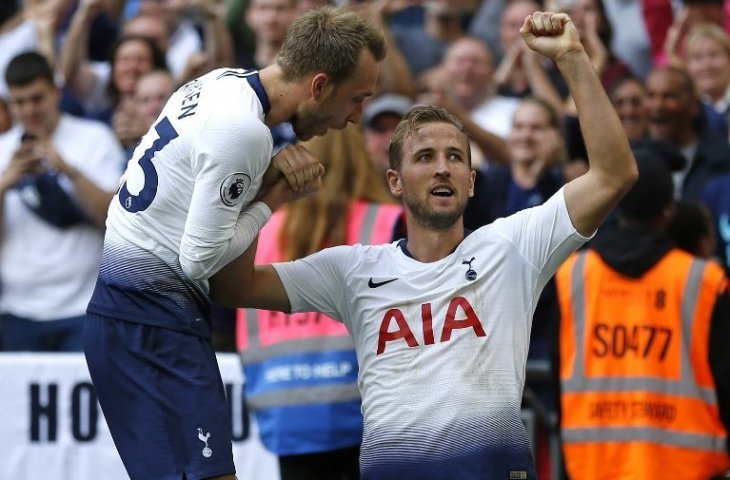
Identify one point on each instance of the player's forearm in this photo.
(226, 284)
(609, 154)
(240, 284)
(201, 257)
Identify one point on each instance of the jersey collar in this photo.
(403, 244)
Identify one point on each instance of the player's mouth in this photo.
(442, 191)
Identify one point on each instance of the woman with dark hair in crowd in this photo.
(103, 88)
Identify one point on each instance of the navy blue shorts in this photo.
(163, 398)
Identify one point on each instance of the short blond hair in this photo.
(707, 30)
(330, 40)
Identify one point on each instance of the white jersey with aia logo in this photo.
(442, 346)
(180, 200)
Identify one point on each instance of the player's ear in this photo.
(472, 181)
(394, 183)
(319, 83)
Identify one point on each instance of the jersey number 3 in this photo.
(137, 203)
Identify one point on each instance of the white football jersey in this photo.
(442, 346)
(180, 200)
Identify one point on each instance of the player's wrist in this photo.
(262, 211)
(572, 56)
(277, 195)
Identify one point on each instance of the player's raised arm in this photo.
(590, 197)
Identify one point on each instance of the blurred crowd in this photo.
(81, 81)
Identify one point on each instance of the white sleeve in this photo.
(228, 164)
(544, 235)
(316, 283)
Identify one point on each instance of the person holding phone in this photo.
(57, 177)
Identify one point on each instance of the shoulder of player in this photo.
(239, 132)
(243, 122)
(352, 256)
(221, 96)
(493, 236)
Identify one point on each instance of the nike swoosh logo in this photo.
(372, 284)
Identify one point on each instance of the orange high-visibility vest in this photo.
(638, 398)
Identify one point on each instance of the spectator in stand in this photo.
(693, 229)
(33, 27)
(423, 45)
(198, 39)
(628, 96)
(537, 152)
(487, 24)
(103, 90)
(395, 74)
(521, 71)
(153, 27)
(312, 420)
(630, 40)
(644, 364)
(464, 85)
(668, 31)
(596, 33)
(175, 43)
(676, 115)
(151, 91)
(379, 119)
(269, 21)
(58, 177)
(707, 59)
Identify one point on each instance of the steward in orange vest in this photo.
(644, 357)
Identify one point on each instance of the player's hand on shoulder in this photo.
(298, 166)
(551, 34)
